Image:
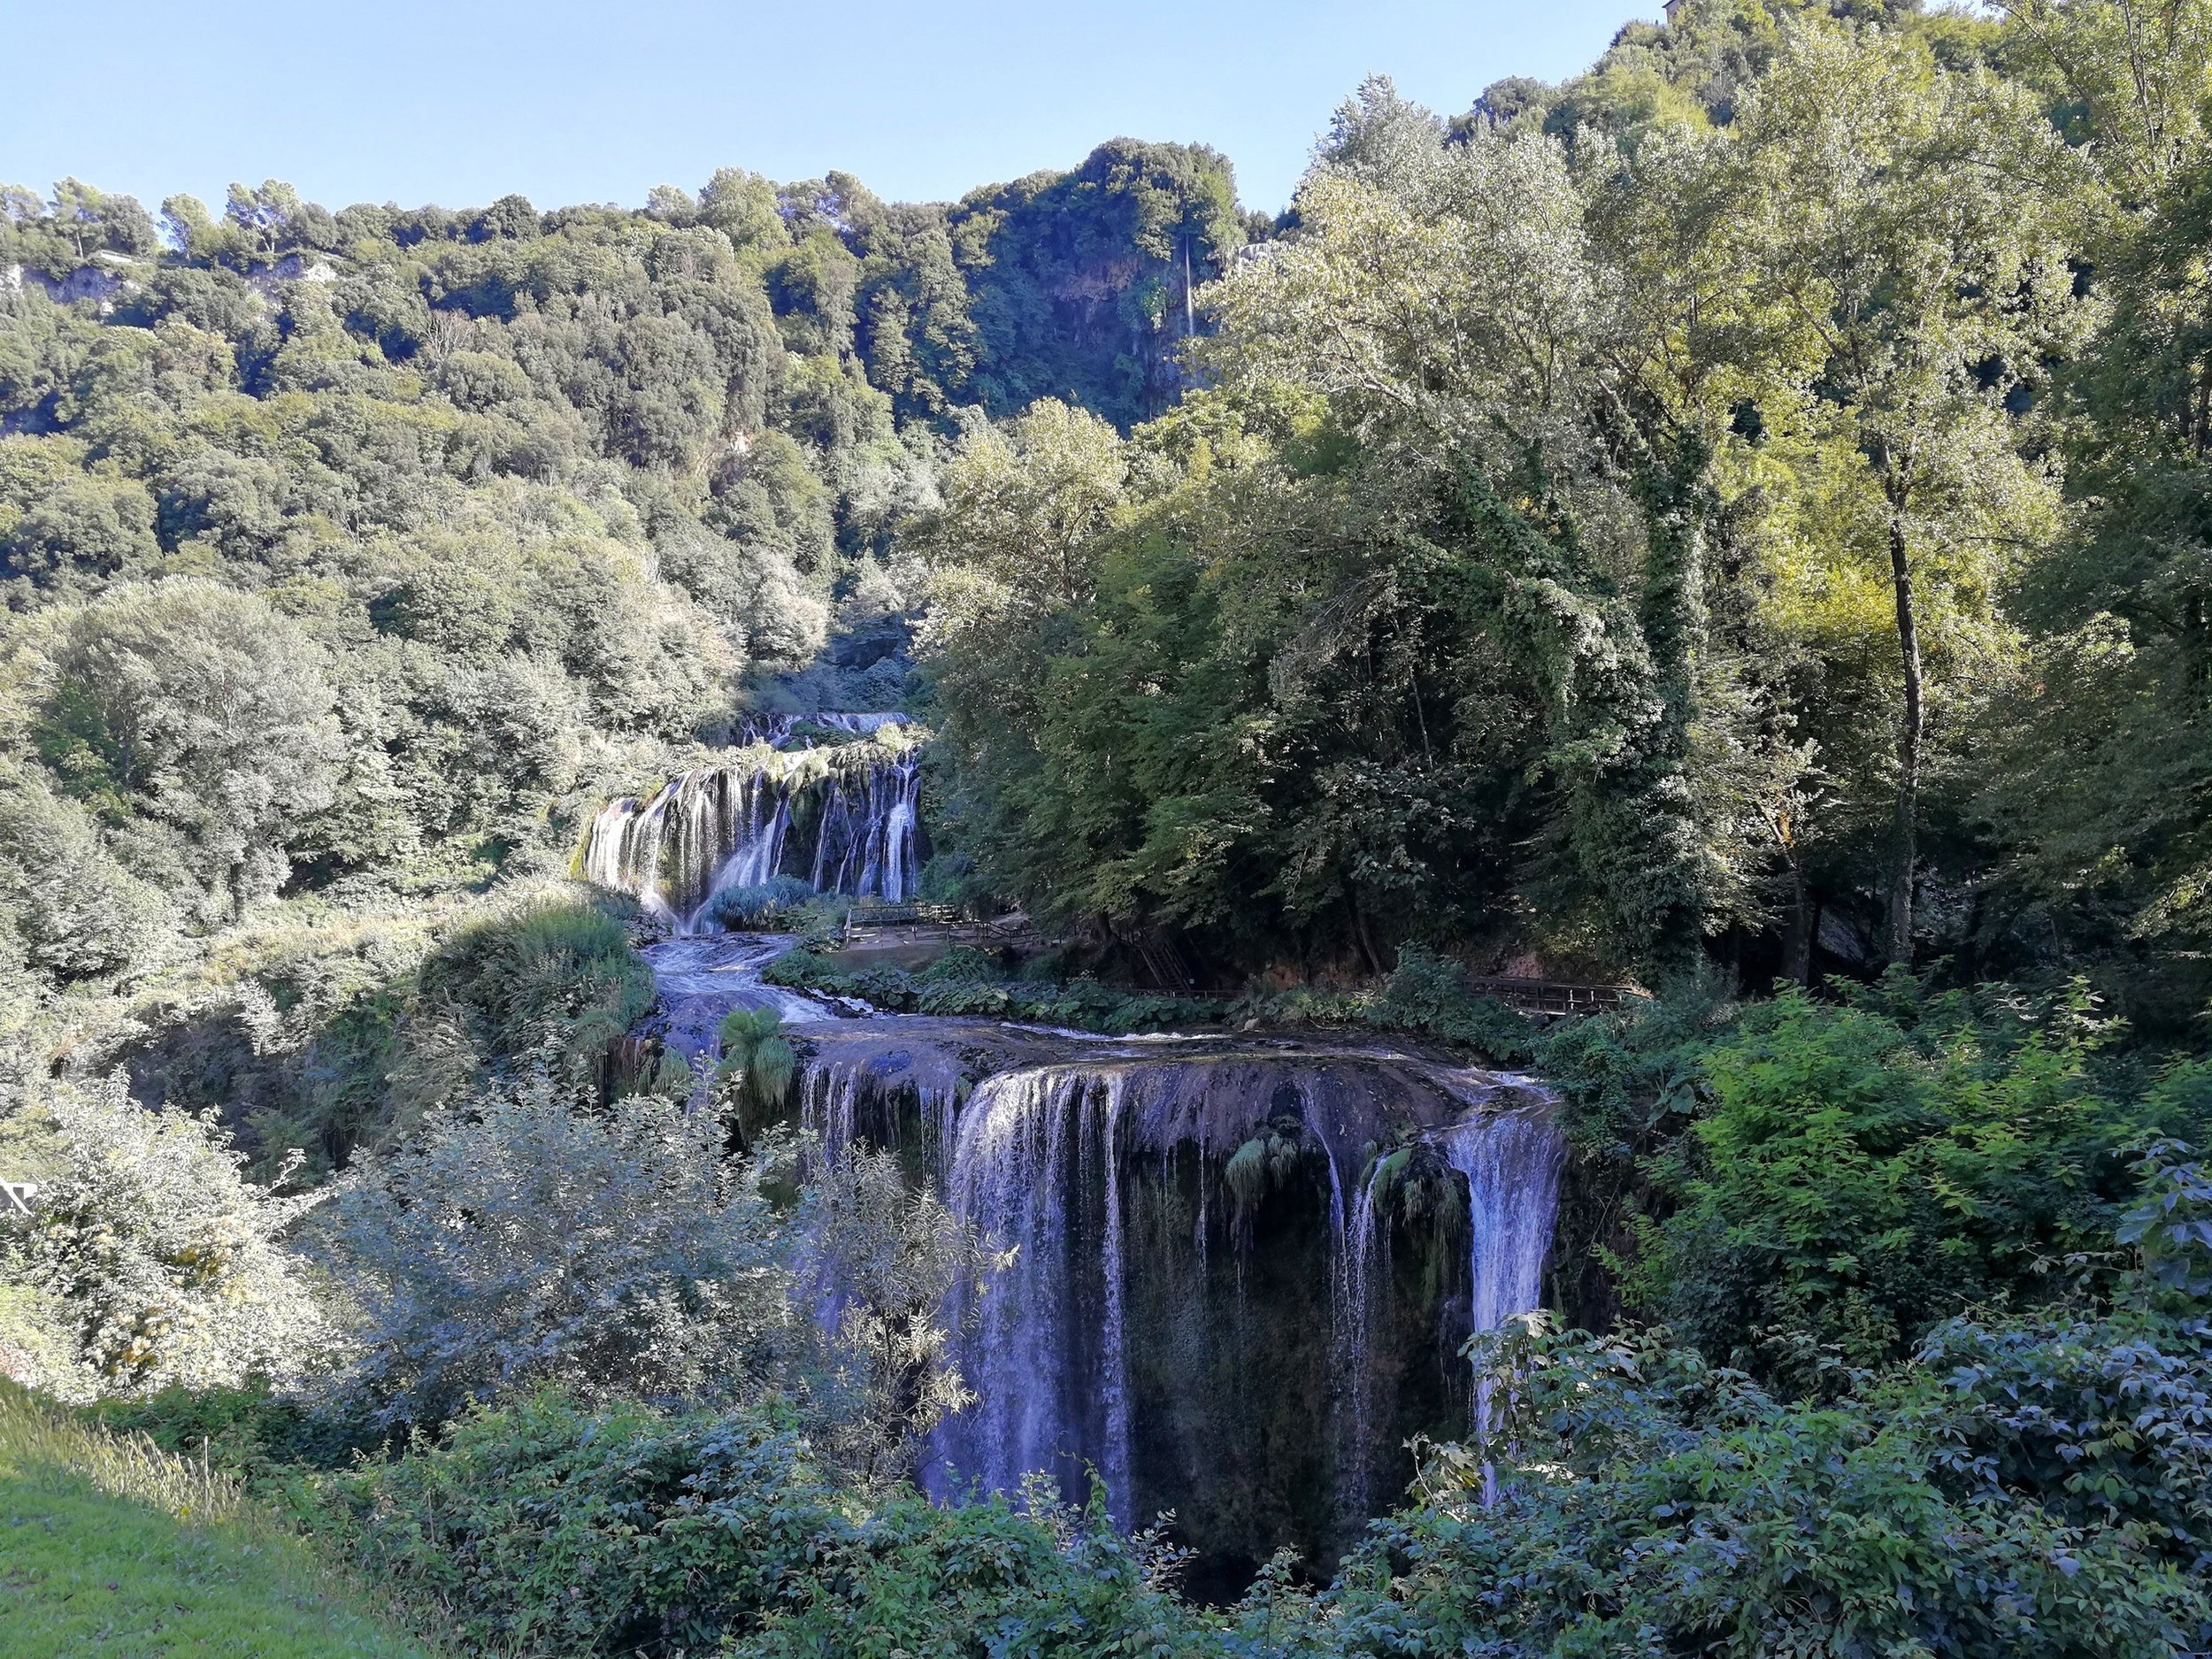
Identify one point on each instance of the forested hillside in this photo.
(1730, 508)
(1723, 537)
(356, 557)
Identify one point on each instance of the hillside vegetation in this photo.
(1731, 525)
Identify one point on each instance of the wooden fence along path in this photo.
(1555, 996)
(879, 923)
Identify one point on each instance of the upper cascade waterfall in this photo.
(865, 845)
(707, 830)
(720, 827)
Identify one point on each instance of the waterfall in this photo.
(1046, 1352)
(1511, 1163)
(709, 829)
(715, 828)
(1362, 1280)
(829, 1109)
(1117, 1339)
(866, 843)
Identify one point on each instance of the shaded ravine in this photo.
(1244, 1264)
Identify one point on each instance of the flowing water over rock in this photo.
(705, 831)
(729, 825)
(1244, 1266)
(700, 979)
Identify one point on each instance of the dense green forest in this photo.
(1730, 526)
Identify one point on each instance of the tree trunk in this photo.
(1366, 942)
(1190, 310)
(1804, 932)
(1908, 730)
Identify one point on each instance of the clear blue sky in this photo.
(459, 103)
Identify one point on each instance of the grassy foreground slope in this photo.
(108, 1548)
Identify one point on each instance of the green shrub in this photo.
(550, 1528)
(965, 989)
(550, 968)
(894, 1255)
(1859, 1173)
(158, 1262)
(1025, 1575)
(758, 1067)
(764, 905)
(525, 1238)
(1643, 1502)
(555, 1530)
(261, 1434)
(1426, 995)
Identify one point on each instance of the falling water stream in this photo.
(1065, 1148)
(716, 828)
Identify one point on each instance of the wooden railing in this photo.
(1554, 996)
(887, 913)
(876, 922)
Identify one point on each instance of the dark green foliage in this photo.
(1426, 995)
(757, 1066)
(1047, 324)
(252, 1431)
(1858, 1174)
(574, 1532)
(741, 908)
(554, 971)
(566, 1531)
(1029, 1577)
(1657, 1504)
(965, 986)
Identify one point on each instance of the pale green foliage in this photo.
(148, 1247)
(1381, 138)
(523, 1238)
(123, 1465)
(205, 714)
(1878, 207)
(1877, 203)
(1022, 504)
(77, 911)
(887, 1257)
(1455, 308)
(2130, 79)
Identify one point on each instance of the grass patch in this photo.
(111, 1546)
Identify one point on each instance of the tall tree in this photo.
(1881, 209)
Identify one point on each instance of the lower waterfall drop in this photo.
(1253, 1358)
(1511, 1163)
(1364, 1275)
(1046, 1344)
